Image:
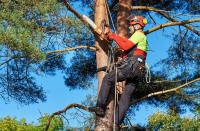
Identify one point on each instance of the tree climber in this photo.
(131, 67)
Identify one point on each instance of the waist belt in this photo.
(140, 59)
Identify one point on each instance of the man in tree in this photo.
(131, 67)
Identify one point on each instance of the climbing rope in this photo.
(113, 62)
(107, 7)
(115, 99)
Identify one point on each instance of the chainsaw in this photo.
(99, 31)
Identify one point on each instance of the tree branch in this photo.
(172, 24)
(166, 91)
(12, 58)
(73, 48)
(64, 110)
(162, 12)
(77, 14)
(167, 81)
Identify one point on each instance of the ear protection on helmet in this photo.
(137, 20)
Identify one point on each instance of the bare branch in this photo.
(77, 14)
(172, 24)
(162, 12)
(167, 81)
(63, 111)
(12, 58)
(5, 62)
(166, 91)
(151, 18)
(72, 49)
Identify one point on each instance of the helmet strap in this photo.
(134, 28)
(137, 27)
(131, 29)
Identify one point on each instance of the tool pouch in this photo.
(137, 67)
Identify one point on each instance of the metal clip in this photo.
(140, 60)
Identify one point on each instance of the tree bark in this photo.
(101, 53)
(123, 13)
(106, 123)
(122, 27)
(102, 124)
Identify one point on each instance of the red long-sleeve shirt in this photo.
(123, 43)
(126, 45)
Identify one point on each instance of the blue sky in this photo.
(58, 95)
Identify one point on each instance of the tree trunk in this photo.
(101, 59)
(101, 53)
(123, 13)
(106, 123)
(122, 28)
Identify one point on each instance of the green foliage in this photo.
(21, 26)
(171, 122)
(28, 30)
(56, 124)
(12, 124)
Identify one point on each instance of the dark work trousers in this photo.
(131, 70)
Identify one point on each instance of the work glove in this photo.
(101, 34)
(108, 35)
(107, 30)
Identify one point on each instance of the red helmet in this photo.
(137, 20)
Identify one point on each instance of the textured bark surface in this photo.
(101, 53)
(102, 124)
(122, 28)
(123, 13)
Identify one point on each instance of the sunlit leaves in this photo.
(165, 122)
(13, 124)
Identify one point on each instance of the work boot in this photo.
(99, 111)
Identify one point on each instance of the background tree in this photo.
(171, 121)
(12, 124)
(22, 28)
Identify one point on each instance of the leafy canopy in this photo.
(12, 124)
(165, 122)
